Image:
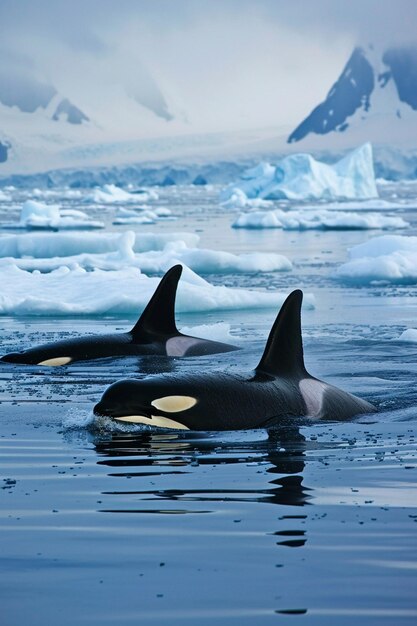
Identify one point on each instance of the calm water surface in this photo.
(306, 524)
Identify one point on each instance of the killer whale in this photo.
(155, 333)
(279, 388)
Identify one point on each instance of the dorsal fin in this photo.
(283, 354)
(158, 318)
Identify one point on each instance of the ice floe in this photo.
(47, 245)
(214, 332)
(79, 292)
(301, 177)
(375, 204)
(319, 219)
(111, 194)
(388, 259)
(203, 261)
(141, 216)
(4, 197)
(409, 335)
(39, 216)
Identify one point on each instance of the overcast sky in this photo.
(220, 63)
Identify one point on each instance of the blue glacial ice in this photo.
(111, 194)
(409, 335)
(301, 177)
(389, 259)
(39, 216)
(320, 219)
(203, 261)
(75, 291)
(47, 245)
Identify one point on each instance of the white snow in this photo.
(318, 219)
(148, 217)
(375, 204)
(78, 292)
(111, 194)
(409, 335)
(203, 261)
(47, 245)
(214, 332)
(40, 216)
(390, 259)
(4, 197)
(301, 177)
(140, 216)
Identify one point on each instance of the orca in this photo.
(279, 388)
(155, 333)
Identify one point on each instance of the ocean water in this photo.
(312, 523)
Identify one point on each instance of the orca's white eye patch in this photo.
(60, 360)
(174, 404)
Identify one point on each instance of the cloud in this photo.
(225, 64)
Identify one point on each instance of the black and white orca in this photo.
(279, 388)
(155, 333)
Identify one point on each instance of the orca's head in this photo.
(159, 403)
(37, 357)
(14, 357)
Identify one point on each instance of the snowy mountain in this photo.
(47, 121)
(22, 90)
(376, 94)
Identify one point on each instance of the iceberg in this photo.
(376, 204)
(48, 245)
(141, 216)
(75, 291)
(409, 335)
(387, 259)
(317, 220)
(4, 197)
(157, 262)
(301, 177)
(39, 216)
(111, 194)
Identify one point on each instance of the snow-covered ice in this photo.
(75, 291)
(48, 245)
(301, 177)
(111, 194)
(4, 197)
(141, 216)
(318, 219)
(203, 261)
(375, 204)
(214, 332)
(409, 335)
(390, 259)
(39, 216)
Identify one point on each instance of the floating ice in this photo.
(409, 335)
(319, 219)
(214, 332)
(75, 291)
(301, 177)
(110, 194)
(129, 216)
(47, 245)
(4, 197)
(390, 259)
(239, 200)
(375, 204)
(201, 261)
(39, 216)
(148, 217)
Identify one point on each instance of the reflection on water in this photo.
(283, 451)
